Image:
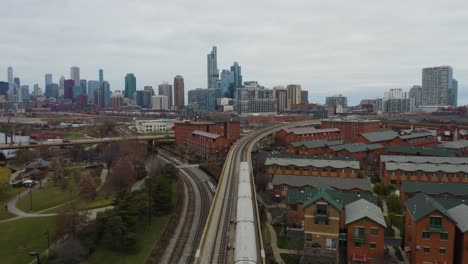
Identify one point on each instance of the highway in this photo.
(218, 237)
(83, 141)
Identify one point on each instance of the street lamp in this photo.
(35, 254)
(46, 235)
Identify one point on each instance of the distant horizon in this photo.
(359, 49)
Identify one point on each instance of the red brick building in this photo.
(365, 153)
(430, 231)
(351, 128)
(184, 129)
(460, 214)
(286, 136)
(313, 166)
(208, 146)
(395, 169)
(365, 225)
(450, 190)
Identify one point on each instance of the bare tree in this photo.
(59, 173)
(123, 174)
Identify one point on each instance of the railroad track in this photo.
(194, 224)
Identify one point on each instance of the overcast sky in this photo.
(356, 48)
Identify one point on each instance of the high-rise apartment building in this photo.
(416, 94)
(149, 89)
(293, 93)
(130, 86)
(205, 99)
(52, 90)
(281, 98)
(453, 93)
(212, 69)
(336, 100)
(437, 83)
(101, 75)
(61, 86)
(236, 69)
(179, 92)
(68, 89)
(143, 98)
(395, 93)
(92, 86)
(10, 78)
(227, 83)
(75, 75)
(253, 99)
(48, 79)
(166, 89)
(83, 85)
(304, 97)
(160, 102)
(17, 82)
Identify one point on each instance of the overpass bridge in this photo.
(39, 144)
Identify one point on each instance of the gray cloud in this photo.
(355, 48)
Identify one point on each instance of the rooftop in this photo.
(205, 134)
(364, 209)
(460, 214)
(416, 135)
(315, 162)
(448, 168)
(424, 160)
(315, 182)
(352, 120)
(39, 163)
(316, 144)
(380, 136)
(422, 205)
(423, 151)
(309, 130)
(356, 147)
(459, 144)
(435, 188)
(335, 197)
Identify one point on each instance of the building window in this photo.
(343, 170)
(442, 251)
(434, 174)
(357, 244)
(403, 173)
(374, 231)
(309, 237)
(426, 235)
(393, 173)
(443, 236)
(424, 174)
(373, 245)
(445, 175)
(435, 222)
(426, 250)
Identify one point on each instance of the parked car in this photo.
(28, 183)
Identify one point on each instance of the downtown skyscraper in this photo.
(10, 78)
(75, 75)
(212, 69)
(179, 92)
(437, 83)
(166, 89)
(130, 85)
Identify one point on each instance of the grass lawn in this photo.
(19, 237)
(71, 135)
(146, 238)
(46, 197)
(8, 193)
(287, 242)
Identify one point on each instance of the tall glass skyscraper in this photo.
(48, 79)
(437, 83)
(166, 89)
(236, 69)
(212, 70)
(75, 74)
(179, 92)
(130, 86)
(101, 75)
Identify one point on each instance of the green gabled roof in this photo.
(337, 199)
(316, 143)
(435, 187)
(439, 152)
(422, 205)
(299, 196)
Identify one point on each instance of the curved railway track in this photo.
(195, 217)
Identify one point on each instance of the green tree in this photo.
(87, 188)
(2, 156)
(115, 235)
(394, 203)
(160, 192)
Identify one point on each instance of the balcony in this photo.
(359, 238)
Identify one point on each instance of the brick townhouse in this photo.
(351, 128)
(434, 189)
(183, 129)
(285, 136)
(392, 138)
(207, 146)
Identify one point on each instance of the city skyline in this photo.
(355, 54)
